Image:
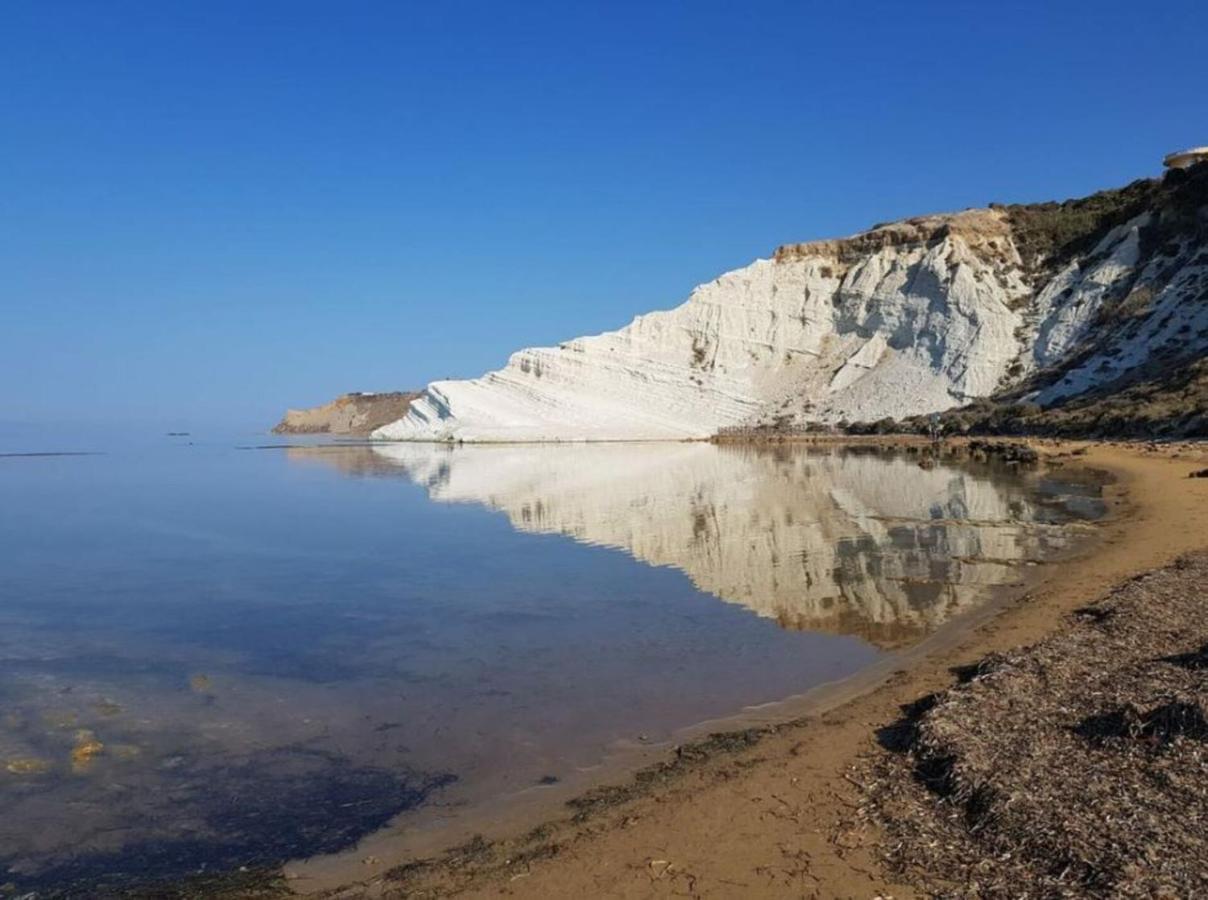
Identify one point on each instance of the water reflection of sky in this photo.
(222, 657)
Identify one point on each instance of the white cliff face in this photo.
(847, 543)
(928, 324)
(1160, 310)
(909, 318)
(1069, 303)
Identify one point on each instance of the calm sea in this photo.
(216, 654)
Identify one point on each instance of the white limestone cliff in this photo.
(914, 317)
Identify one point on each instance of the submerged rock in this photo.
(27, 765)
(86, 748)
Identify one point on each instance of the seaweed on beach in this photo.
(1074, 768)
(479, 857)
(686, 757)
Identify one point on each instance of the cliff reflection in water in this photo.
(209, 659)
(829, 540)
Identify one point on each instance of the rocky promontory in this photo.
(352, 414)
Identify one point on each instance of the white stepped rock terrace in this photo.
(908, 318)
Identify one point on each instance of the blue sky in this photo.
(213, 210)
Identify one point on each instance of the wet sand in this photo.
(773, 810)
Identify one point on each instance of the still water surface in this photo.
(213, 657)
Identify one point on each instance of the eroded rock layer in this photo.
(352, 414)
(1047, 301)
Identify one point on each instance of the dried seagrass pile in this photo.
(1074, 768)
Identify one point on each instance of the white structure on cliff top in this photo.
(1186, 158)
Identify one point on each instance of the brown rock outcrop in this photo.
(352, 414)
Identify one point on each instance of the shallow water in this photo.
(213, 657)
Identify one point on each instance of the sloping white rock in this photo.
(1069, 303)
(913, 324)
(909, 318)
(1167, 317)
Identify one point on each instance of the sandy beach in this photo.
(776, 810)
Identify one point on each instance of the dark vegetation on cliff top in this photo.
(1157, 403)
(1167, 397)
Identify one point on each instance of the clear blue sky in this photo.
(212, 210)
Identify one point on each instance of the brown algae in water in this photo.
(27, 765)
(86, 747)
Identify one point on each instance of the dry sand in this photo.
(777, 811)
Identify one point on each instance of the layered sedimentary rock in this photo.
(839, 542)
(352, 414)
(1048, 301)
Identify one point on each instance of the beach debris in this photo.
(1195, 659)
(1159, 726)
(1074, 768)
(659, 867)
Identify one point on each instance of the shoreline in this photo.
(430, 832)
(615, 830)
